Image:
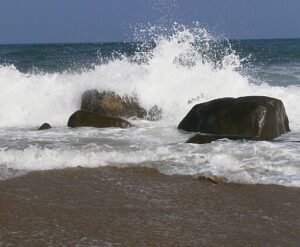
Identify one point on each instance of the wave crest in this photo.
(184, 67)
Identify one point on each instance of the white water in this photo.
(174, 75)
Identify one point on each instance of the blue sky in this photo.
(48, 21)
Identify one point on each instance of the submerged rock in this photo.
(208, 138)
(109, 103)
(91, 119)
(45, 126)
(256, 117)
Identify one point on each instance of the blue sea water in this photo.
(275, 61)
(44, 83)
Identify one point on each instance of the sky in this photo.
(62, 21)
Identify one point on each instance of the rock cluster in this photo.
(249, 118)
(109, 103)
(107, 109)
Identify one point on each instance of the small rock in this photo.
(45, 126)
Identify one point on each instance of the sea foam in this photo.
(186, 67)
(179, 72)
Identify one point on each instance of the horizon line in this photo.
(111, 42)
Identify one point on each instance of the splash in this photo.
(173, 69)
(177, 69)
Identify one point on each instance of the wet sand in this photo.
(141, 207)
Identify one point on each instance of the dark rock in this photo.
(45, 126)
(90, 119)
(109, 103)
(90, 101)
(208, 138)
(256, 117)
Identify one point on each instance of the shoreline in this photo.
(110, 206)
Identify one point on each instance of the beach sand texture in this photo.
(141, 207)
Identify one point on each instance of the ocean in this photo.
(44, 83)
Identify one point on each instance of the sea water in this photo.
(44, 83)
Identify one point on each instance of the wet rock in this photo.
(45, 126)
(256, 117)
(208, 138)
(91, 119)
(109, 103)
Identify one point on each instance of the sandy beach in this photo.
(141, 207)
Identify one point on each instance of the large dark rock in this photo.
(256, 117)
(90, 119)
(111, 104)
(45, 126)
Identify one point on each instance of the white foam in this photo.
(30, 99)
(241, 162)
(175, 76)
